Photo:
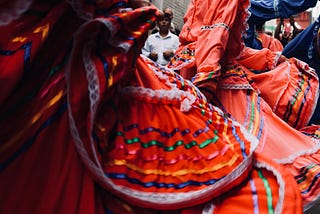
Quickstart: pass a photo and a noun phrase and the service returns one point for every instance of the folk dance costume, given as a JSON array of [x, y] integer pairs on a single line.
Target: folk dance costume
[[88, 125], [261, 89]]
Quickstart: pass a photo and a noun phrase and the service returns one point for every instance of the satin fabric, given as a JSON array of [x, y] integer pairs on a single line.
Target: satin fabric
[[258, 91], [90, 126]]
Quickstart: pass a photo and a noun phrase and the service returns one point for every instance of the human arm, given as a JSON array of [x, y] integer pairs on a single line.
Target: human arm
[[170, 52], [147, 51]]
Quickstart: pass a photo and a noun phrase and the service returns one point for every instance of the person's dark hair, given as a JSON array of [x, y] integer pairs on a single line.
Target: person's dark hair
[[164, 16]]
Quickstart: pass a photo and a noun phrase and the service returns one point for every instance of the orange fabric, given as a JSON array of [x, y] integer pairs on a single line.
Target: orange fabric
[[192, 21], [212, 25], [155, 134], [90, 126], [269, 42], [194, 153], [259, 60], [278, 140], [290, 87], [269, 189], [266, 93]]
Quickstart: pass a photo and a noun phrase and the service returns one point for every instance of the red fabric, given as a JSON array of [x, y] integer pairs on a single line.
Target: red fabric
[[49, 177], [266, 176], [269, 42], [87, 124]]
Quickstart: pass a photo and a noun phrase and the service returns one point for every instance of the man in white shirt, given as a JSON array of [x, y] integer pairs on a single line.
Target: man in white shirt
[[160, 46]]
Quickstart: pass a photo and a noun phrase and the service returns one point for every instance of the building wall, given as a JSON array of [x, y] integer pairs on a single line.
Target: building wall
[[179, 8]]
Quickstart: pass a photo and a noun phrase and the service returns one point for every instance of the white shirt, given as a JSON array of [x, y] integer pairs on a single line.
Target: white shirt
[[159, 44]]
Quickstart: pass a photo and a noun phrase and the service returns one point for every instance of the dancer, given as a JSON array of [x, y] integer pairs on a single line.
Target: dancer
[[261, 39], [82, 118], [306, 48], [238, 79], [90, 126], [262, 11]]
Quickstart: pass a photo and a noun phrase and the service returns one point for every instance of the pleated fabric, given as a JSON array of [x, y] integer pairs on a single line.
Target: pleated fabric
[[85, 115], [266, 93], [90, 126], [268, 189], [289, 86], [268, 41], [157, 142]]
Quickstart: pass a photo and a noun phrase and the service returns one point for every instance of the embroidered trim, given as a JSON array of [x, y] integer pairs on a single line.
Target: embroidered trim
[[186, 98], [209, 27], [156, 199], [279, 206], [236, 86], [291, 158], [112, 29]]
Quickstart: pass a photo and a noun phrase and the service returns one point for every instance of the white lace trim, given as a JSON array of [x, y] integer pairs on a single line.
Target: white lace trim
[[174, 93], [160, 199], [296, 155], [279, 205], [275, 61], [112, 30], [14, 11], [93, 88], [156, 199], [209, 208], [94, 99], [210, 27], [186, 98]]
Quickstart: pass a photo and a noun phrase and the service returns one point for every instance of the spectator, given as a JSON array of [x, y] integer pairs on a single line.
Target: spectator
[[285, 32], [169, 12], [160, 47], [267, 40]]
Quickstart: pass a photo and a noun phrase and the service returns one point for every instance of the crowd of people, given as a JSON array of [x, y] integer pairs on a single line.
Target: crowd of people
[[98, 115]]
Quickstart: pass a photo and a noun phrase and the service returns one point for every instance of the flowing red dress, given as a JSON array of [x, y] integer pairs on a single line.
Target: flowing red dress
[[90, 126], [84, 117], [273, 97]]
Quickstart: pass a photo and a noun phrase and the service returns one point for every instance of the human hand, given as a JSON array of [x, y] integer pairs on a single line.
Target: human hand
[[153, 56], [168, 54]]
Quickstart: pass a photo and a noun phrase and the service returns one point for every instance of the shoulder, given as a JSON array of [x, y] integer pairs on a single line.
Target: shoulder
[[153, 36], [172, 35]]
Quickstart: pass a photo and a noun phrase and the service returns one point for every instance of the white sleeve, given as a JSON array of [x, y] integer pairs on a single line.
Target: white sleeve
[[146, 50]]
